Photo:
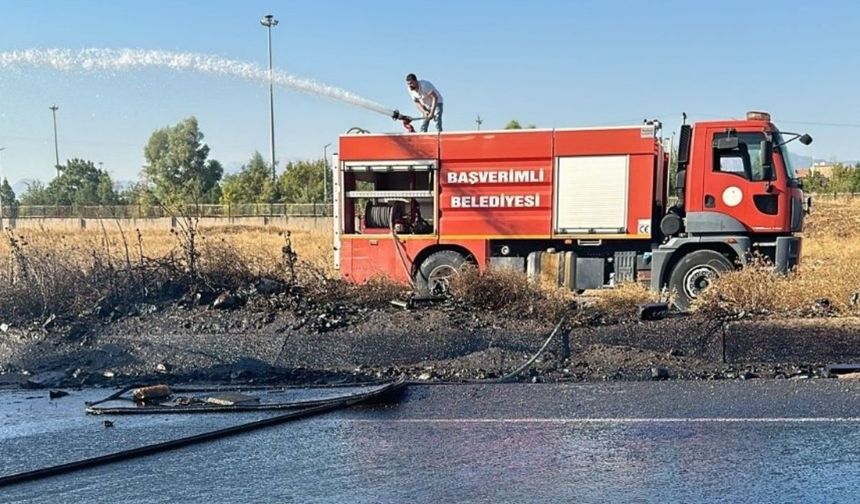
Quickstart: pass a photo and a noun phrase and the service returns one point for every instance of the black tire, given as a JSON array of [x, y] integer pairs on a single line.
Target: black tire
[[694, 273], [436, 271]]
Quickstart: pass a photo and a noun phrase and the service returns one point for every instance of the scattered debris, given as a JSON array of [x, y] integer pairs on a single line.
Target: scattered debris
[[56, 394], [226, 301], [46, 379], [163, 368], [153, 392], [140, 309], [823, 307], [180, 401], [202, 297], [747, 375], [660, 373], [653, 311], [49, 322], [841, 369], [231, 399], [108, 424]]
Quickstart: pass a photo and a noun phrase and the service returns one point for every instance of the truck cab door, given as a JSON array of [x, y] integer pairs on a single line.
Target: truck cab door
[[737, 185]]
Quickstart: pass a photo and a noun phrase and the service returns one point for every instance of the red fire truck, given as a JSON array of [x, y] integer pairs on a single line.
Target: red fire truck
[[416, 207]]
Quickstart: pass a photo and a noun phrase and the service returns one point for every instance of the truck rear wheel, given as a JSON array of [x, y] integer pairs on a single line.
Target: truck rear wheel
[[694, 273], [437, 270]]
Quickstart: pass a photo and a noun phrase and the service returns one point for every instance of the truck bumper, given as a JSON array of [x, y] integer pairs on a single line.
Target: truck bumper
[[787, 254]]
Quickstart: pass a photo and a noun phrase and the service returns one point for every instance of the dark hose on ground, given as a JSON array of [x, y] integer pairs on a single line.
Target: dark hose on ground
[[513, 374], [198, 438]]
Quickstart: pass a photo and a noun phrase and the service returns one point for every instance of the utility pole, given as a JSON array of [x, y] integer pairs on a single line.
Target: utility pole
[[54, 109], [325, 172], [269, 21], [479, 122]]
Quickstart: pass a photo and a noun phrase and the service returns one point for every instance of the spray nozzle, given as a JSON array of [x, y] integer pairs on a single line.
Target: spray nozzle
[[407, 121]]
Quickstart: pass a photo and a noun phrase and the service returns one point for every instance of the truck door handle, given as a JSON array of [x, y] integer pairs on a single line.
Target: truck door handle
[[710, 201]]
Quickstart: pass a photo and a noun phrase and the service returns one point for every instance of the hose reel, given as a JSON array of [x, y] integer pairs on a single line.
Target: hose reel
[[380, 216]]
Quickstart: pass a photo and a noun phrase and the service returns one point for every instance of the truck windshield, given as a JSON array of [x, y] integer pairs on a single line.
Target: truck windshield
[[786, 157]]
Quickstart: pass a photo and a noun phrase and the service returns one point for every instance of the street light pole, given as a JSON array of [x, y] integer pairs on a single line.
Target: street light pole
[[1, 188], [54, 109], [269, 21], [325, 172]]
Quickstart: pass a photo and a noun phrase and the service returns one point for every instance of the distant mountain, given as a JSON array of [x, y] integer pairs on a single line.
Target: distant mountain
[[800, 162]]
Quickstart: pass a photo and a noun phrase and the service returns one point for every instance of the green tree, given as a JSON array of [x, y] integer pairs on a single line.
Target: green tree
[[855, 178], [36, 194], [81, 183], [177, 168], [842, 179], [513, 124], [253, 184], [816, 182], [302, 182], [7, 195]]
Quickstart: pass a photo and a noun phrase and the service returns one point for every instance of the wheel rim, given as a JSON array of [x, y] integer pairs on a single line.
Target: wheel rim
[[698, 279], [439, 278]]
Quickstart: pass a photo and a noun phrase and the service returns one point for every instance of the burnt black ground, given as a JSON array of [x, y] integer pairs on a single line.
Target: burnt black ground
[[263, 342]]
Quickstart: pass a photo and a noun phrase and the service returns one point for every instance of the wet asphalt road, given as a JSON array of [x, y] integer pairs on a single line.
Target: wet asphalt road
[[766, 441]]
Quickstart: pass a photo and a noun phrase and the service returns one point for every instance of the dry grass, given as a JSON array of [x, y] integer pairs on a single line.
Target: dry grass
[[625, 299], [825, 284], [509, 292], [67, 274], [42, 277], [260, 249], [63, 265]]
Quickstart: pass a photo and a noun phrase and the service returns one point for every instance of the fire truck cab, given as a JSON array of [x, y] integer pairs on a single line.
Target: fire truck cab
[[416, 207]]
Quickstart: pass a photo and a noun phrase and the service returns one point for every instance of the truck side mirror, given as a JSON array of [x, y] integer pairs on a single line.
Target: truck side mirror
[[766, 159], [726, 143]]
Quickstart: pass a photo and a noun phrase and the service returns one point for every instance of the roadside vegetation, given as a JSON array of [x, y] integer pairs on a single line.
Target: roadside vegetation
[[98, 272]]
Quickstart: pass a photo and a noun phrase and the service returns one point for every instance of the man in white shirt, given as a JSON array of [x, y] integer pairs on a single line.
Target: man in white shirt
[[427, 100]]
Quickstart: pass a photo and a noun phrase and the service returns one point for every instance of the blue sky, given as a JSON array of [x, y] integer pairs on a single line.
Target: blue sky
[[552, 63]]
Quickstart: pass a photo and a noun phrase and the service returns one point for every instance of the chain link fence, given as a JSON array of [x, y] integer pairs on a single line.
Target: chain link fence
[[237, 210], [152, 212]]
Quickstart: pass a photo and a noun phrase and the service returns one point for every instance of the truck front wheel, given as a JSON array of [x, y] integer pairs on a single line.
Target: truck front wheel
[[435, 273], [694, 273]]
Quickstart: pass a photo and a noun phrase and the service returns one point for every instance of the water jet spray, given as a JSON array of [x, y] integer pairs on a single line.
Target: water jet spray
[[110, 60]]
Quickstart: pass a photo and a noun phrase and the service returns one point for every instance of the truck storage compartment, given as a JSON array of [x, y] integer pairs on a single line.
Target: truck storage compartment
[[379, 196], [591, 194]]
